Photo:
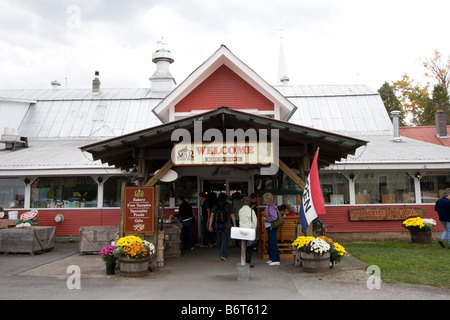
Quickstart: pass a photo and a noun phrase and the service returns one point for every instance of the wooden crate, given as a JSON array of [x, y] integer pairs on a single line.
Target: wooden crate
[[27, 240], [7, 223], [285, 236], [93, 239], [172, 248]]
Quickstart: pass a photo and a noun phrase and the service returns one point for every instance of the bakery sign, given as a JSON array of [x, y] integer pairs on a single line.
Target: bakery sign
[[138, 211], [385, 213], [227, 153]]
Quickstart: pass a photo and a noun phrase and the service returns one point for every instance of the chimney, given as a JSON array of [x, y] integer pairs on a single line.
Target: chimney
[[55, 84], [162, 80], [441, 124], [396, 122], [96, 83]]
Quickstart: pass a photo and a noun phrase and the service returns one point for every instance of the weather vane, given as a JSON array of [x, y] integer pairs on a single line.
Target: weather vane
[[162, 43]]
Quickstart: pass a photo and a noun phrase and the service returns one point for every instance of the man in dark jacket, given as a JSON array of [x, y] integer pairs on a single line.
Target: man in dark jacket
[[186, 215], [442, 207]]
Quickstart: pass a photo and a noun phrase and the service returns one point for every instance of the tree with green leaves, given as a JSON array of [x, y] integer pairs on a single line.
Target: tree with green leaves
[[390, 100], [417, 103]]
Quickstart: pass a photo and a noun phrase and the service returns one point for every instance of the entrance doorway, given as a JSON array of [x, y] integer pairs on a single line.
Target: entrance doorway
[[229, 186]]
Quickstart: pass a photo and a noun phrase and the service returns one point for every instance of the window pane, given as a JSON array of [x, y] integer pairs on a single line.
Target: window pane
[[187, 187], [64, 192], [12, 193], [334, 188], [433, 186], [112, 190], [282, 188], [384, 187]]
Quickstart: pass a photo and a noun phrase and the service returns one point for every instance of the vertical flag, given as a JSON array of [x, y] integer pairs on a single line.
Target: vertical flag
[[312, 201]]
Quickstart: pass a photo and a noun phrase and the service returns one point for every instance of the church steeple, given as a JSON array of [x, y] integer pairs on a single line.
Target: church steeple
[[283, 76]]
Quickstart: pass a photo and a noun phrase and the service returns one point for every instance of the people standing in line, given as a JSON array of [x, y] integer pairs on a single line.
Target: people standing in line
[[247, 218], [207, 236], [254, 206], [271, 209], [186, 215], [254, 203], [223, 215], [237, 204], [442, 207]]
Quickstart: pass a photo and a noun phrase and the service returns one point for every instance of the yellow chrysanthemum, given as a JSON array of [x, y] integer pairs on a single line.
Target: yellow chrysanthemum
[[414, 222], [339, 249], [125, 241], [302, 241]]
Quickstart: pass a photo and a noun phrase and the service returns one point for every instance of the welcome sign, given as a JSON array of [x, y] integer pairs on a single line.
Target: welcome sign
[[228, 153]]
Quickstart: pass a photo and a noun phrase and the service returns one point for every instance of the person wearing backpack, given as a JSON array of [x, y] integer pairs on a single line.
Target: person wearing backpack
[[223, 215]]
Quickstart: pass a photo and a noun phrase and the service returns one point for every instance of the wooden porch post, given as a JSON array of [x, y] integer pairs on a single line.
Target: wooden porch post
[[291, 174], [159, 174]]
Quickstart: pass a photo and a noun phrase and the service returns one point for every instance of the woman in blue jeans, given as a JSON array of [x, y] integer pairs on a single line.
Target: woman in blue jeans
[[442, 207], [274, 255]]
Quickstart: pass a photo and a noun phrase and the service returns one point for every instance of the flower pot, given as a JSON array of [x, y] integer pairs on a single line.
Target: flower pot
[[110, 269], [315, 263], [134, 267], [421, 237]]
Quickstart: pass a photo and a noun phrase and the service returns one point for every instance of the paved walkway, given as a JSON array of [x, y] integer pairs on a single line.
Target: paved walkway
[[197, 275]]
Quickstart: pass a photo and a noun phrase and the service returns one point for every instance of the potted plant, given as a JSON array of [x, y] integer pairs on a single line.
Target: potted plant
[[107, 254], [314, 254], [337, 251], [134, 255], [419, 229], [319, 254]]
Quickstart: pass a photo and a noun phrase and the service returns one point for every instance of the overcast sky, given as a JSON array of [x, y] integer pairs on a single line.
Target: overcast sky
[[325, 41]]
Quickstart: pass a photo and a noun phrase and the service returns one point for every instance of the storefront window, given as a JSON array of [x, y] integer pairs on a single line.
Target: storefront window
[[64, 192], [384, 187], [335, 188], [12, 192], [187, 187], [433, 186], [112, 190], [284, 190]]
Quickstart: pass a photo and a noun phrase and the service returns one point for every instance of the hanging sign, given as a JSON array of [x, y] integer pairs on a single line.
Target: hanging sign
[[232, 153], [139, 210]]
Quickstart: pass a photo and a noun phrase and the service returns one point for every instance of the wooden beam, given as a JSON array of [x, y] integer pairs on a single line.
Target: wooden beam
[[160, 174], [291, 174]]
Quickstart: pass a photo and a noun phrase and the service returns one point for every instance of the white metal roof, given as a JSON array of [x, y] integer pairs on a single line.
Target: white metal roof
[[50, 156], [77, 113], [383, 153], [347, 109], [59, 121]]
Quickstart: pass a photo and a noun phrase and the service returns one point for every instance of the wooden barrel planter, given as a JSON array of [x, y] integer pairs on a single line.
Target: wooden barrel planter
[[134, 267], [421, 237], [315, 263]]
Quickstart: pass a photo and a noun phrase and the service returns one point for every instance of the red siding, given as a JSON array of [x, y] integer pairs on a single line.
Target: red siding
[[224, 88], [74, 219], [337, 218]]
